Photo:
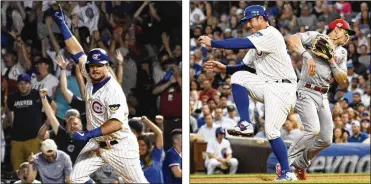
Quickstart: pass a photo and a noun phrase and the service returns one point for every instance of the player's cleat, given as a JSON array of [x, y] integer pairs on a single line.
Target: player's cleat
[[300, 173], [278, 169], [243, 128], [289, 176]]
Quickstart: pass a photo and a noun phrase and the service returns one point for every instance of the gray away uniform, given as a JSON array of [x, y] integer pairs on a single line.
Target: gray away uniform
[[313, 106]]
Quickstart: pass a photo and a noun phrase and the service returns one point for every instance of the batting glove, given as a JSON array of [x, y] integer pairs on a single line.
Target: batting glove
[[86, 135], [58, 16]]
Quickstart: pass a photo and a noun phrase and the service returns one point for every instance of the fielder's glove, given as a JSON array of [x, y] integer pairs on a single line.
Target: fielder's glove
[[323, 48]]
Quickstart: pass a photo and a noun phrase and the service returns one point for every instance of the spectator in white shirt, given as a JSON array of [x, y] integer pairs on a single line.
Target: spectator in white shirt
[[232, 113], [224, 122], [44, 79], [208, 129], [219, 152], [197, 17], [365, 98], [88, 14]]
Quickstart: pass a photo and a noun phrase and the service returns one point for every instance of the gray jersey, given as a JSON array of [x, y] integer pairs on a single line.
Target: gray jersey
[[323, 71]]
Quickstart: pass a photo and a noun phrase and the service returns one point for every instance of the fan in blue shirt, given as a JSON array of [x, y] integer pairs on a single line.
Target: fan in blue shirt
[[151, 155], [172, 167]]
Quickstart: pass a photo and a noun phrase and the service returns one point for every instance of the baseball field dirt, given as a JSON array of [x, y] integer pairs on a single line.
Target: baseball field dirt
[[268, 178]]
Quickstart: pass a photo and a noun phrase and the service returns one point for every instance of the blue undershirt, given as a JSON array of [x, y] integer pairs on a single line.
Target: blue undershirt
[[97, 86], [233, 43]]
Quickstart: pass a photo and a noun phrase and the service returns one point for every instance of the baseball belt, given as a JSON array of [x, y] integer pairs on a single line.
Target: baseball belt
[[320, 89], [107, 144], [283, 81]]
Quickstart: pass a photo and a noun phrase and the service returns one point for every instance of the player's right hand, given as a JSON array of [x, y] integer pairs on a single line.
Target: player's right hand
[[215, 66], [311, 67], [205, 40]]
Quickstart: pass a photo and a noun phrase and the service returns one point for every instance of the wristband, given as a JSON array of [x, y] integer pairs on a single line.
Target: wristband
[[301, 50], [306, 56]]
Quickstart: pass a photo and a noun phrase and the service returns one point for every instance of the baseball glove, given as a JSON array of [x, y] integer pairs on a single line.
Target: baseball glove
[[323, 48]]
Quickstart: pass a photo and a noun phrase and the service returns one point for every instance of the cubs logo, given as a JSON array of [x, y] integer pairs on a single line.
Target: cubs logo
[[71, 148], [114, 107], [89, 13], [95, 56], [224, 152], [339, 24], [97, 107]]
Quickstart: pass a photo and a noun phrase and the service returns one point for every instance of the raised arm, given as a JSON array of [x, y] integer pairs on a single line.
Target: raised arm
[[67, 94], [49, 22], [80, 81], [48, 110], [159, 143], [32, 170], [72, 44], [140, 9], [120, 61]]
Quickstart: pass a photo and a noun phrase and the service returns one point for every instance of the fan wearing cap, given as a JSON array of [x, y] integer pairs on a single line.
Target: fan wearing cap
[[44, 79], [27, 118], [13, 69], [61, 135], [219, 152], [357, 136], [313, 86], [53, 166]]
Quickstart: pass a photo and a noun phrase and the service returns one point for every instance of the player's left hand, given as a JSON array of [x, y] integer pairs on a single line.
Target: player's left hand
[[81, 135], [205, 40], [58, 15]]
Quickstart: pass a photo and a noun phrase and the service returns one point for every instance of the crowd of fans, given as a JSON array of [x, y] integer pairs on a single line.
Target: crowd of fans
[[42, 87], [211, 100]]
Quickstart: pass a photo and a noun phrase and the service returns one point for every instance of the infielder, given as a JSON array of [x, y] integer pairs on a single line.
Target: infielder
[[312, 104], [273, 84], [110, 138]]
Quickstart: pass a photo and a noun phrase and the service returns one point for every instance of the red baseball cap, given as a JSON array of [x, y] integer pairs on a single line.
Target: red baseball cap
[[341, 24]]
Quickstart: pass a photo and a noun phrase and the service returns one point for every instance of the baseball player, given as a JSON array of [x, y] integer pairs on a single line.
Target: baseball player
[[109, 137], [312, 104], [273, 84], [219, 154]]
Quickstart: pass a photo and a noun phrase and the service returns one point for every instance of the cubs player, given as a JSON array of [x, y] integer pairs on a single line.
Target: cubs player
[[109, 137], [273, 84], [312, 104], [219, 154]]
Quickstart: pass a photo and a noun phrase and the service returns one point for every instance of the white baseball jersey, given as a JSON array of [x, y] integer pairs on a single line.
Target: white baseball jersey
[[220, 150], [49, 82], [272, 63], [270, 57], [323, 71], [108, 102]]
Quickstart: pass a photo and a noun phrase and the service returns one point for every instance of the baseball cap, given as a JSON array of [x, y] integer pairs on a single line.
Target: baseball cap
[[356, 123], [220, 131], [341, 23], [350, 65], [48, 145], [23, 77], [228, 30], [71, 112]]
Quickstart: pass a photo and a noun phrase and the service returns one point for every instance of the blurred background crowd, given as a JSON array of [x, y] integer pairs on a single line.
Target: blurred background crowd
[[147, 34], [211, 100]]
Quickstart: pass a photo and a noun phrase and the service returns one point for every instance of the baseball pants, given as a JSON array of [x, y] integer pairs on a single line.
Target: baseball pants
[[278, 98], [314, 111], [123, 157], [212, 164]]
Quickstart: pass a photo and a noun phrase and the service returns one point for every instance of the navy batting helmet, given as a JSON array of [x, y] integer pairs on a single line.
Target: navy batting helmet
[[219, 130], [254, 11], [97, 56]]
